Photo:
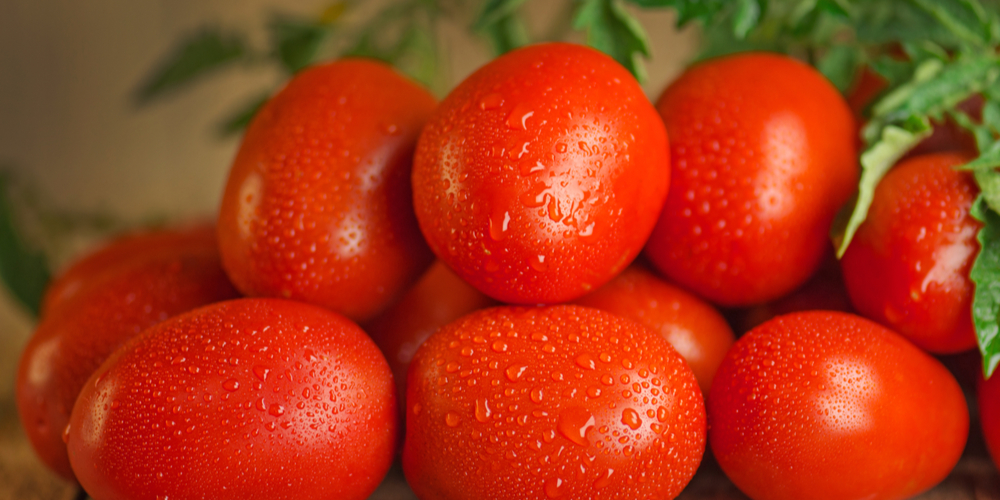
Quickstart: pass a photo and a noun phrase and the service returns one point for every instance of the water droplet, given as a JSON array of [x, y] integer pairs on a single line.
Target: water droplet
[[538, 263], [604, 479], [231, 385], [65, 433], [518, 118], [554, 487], [482, 410], [261, 405], [261, 372], [514, 372], [574, 423], [560, 147], [491, 101], [115, 404], [466, 351], [549, 348], [536, 395], [594, 392], [276, 410], [586, 362], [452, 419], [389, 128], [632, 419], [499, 225], [499, 346], [416, 409], [605, 357], [452, 367]]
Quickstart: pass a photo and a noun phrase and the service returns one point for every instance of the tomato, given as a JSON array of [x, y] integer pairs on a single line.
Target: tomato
[[253, 398], [829, 405], [85, 326], [318, 205], [73, 281], [693, 327], [555, 402], [908, 264], [764, 154], [988, 398], [438, 298], [541, 175]]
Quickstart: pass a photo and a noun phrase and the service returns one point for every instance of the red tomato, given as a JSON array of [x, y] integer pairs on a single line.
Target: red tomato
[[73, 281], [437, 299], [908, 264], [693, 327], [988, 397], [557, 402], [764, 154], [541, 175], [318, 205], [253, 398], [828, 405], [83, 328]]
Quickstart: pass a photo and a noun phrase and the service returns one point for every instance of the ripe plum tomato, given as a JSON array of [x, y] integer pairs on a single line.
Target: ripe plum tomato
[[74, 280], [556, 402], [541, 175], [318, 205], [764, 154], [829, 405], [251, 398], [693, 327], [988, 397], [908, 264], [438, 298], [109, 308]]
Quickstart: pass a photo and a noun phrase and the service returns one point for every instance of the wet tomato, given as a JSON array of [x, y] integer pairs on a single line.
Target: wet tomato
[[829, 405], [99, 304], [318, 205], [908, 264], [693, 327], [557, 402], [764, 154], [541, 175], [252, 398]]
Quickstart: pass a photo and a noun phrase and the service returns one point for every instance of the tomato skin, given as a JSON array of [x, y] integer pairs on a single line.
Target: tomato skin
[[80, 332], [988, 397], [438, 298], [692, 326], [541, 175], [562, 401], [764, 154], [252, 398], [908, 264], [829, 405], [318, 204], [73, 282]]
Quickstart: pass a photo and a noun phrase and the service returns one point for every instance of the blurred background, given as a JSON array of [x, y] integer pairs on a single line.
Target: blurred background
[[83, 159]]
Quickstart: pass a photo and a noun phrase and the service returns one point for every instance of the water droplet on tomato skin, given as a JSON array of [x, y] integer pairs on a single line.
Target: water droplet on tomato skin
[[452, 419], [554, 487], [491, 101], [574, 423]]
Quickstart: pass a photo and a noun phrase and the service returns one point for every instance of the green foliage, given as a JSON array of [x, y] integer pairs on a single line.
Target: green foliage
[[985, 273], [612, 29], [296, 41], [24, 269], [501, 24], [196, 56]]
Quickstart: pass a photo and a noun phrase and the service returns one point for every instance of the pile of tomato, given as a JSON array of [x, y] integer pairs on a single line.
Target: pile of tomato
[[516, 291]]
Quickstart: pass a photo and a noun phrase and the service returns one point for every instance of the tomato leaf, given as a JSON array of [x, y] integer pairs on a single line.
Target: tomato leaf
[[200, 54], [505, 33], [239, 120], [612, 29], [840, 65], [985, 273], [748, 15], [893, 143], [494, 11], [296, 41], [23, 269], [704, 11]]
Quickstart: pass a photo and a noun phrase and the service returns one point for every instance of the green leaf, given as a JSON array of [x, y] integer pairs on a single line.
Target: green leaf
[[985, 274], [194, 57], [875, 163], [954, 21], [612, 30], [748, 14], [238, 121], [704, 11], [23, 269], [988, 179], [840, 65], [296, 41], [506, 34], [494, 11]]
